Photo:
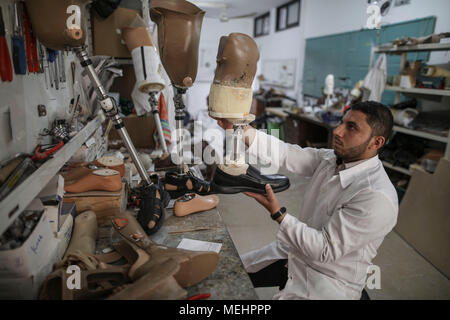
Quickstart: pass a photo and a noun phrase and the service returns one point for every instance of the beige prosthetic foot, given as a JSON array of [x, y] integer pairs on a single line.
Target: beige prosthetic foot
[[194, 265], [192, 203], [112, 163], [58, 24], [78, 170], [99, 180]]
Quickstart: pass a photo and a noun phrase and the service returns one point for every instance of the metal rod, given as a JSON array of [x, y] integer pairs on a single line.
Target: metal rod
[[179, 117], [109, 107], [154, 106]]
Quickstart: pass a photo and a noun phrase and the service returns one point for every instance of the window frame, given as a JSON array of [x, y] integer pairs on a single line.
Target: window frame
[[286, 23], [261, 18]]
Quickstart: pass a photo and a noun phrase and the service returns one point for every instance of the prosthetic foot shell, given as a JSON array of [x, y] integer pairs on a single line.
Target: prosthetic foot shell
[[51, 22], [179, 25], [192, 203], [99, 180], [146, 62], [194, 265], [231, 92]]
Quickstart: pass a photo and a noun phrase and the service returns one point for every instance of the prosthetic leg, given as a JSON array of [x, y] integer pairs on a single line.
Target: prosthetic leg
[[179, 24], [58, 29], [231, 98], [147, 68]]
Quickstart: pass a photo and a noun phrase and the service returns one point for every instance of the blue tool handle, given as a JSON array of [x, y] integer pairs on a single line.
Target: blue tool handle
[[19, 56], [51, 55]]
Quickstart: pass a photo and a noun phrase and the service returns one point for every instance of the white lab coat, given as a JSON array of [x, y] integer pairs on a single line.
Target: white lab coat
[[345, 218]]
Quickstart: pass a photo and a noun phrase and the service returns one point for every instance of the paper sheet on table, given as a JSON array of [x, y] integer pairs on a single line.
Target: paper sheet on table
[[197, 245]]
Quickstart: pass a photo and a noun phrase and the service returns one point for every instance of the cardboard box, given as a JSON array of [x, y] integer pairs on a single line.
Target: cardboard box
[[37, 252], [140, 130], [26, 288], [105, 204], [424, 215], [23, 270], [107, 39]]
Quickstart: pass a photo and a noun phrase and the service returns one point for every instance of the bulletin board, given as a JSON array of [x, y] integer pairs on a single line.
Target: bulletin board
[[280, 73]]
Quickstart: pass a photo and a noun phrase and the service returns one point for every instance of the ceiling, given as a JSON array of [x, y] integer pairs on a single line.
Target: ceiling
[[233, 8]]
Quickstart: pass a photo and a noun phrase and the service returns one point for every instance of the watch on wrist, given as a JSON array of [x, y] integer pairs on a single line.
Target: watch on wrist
[[278, 214]]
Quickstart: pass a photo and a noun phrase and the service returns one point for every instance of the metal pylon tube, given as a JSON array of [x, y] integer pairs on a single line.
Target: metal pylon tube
[[154, 105], [111, 111]]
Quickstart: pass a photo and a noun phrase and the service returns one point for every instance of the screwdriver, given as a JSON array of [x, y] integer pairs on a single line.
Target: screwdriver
[[5, 58], [19, 58], [52, 54]]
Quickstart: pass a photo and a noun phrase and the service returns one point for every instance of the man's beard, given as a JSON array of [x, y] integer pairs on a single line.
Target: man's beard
[[353, 153]]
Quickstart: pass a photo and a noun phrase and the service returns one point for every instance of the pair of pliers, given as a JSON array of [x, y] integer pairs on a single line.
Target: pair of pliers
[[5, 59], [38, 155]]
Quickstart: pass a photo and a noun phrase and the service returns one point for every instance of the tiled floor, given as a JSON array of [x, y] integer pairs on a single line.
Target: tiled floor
[[405, 274]]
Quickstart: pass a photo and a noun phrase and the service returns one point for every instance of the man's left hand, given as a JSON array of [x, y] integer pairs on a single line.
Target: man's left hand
[[269, 201]]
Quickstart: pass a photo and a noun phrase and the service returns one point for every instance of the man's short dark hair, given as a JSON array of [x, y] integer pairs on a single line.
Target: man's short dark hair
[[378, 116]]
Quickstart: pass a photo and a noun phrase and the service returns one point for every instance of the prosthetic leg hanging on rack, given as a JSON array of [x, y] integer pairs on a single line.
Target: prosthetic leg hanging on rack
[[58, 30]]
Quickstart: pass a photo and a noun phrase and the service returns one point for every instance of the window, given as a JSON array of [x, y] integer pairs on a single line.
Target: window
[[288, 15], [262, 25]]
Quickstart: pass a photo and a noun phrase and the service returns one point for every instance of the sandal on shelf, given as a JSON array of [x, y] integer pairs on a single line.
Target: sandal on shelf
[[179, 184]]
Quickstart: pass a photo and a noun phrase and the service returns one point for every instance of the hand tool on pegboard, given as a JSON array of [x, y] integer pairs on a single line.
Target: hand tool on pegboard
[[30, 39], [18, 43], [5, 59], [53, 69]]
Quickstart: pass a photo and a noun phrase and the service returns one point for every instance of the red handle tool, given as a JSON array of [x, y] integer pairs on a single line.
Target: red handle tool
[[5, 59], [38, 155], [32, 56]]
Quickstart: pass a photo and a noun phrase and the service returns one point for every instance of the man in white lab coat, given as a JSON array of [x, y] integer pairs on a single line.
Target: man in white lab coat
[[349, 207]]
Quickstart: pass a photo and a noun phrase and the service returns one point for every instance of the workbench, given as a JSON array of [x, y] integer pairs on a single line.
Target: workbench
[[303, 129], [229, 281]]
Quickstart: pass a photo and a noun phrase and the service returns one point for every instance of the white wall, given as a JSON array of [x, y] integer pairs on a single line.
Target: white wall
[[324, 17], [19, 100]]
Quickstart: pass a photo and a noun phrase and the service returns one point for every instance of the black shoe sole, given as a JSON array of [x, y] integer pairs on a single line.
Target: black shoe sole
[[215, 188]]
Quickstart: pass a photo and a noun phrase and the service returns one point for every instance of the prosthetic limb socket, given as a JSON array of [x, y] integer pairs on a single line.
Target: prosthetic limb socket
[[147, 68]]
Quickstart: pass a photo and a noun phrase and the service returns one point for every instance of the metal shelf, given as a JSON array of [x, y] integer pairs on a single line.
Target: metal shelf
[[421, 134], [416, 48], [399, 169], [21, 197], [436, 92]]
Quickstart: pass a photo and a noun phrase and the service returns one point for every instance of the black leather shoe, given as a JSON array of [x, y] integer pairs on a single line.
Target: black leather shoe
[[252, 181], [179, 184]]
